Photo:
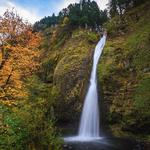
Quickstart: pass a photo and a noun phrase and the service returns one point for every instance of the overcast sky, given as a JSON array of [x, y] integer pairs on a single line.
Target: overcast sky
[[34, 10]]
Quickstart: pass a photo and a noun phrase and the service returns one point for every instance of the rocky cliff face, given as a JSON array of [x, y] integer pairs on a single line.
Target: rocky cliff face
[[124, 74], [68, 62]]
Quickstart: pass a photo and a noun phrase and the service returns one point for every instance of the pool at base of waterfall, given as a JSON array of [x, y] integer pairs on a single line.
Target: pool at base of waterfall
[[81, 139], [76, 143]]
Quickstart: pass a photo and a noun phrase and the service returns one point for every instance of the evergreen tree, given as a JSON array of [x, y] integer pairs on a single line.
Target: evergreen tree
[[118, 7], [90, 15]]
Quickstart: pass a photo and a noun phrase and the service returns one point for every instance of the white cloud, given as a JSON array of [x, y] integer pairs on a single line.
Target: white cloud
[[32, 14], [102, 3], [26, 14]]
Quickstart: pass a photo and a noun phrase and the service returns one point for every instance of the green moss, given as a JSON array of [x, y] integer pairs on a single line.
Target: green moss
[[139, 44], [47, 67], [106, 63], [123, 73], [71, 72], [141, 97], [92, 37]]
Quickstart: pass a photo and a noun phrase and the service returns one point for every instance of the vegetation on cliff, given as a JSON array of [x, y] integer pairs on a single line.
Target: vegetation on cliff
[[124, 74], [66, 66]]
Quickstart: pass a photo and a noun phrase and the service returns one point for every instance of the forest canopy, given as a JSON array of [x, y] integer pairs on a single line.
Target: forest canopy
[[119, 7], [87, 15]]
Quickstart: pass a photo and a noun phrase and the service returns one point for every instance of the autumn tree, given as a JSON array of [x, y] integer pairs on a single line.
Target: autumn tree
[[19, 54]]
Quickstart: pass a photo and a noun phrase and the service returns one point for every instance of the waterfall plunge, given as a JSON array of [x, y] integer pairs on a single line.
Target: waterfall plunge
[[89, 124]]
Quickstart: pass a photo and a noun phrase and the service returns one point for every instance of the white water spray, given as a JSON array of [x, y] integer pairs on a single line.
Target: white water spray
[[89, 124]]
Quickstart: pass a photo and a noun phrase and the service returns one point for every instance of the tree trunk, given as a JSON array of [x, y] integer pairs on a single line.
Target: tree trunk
[[3, 57], [7, 81]]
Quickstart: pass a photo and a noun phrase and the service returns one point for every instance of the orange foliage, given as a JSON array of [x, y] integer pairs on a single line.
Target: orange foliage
[[18, 55]]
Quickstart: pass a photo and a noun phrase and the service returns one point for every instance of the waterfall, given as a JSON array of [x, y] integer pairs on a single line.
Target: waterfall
[[89, 124]]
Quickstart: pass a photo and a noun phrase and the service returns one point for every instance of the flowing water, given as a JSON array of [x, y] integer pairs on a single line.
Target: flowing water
[[89, 124], [105, 144], [89, 136]]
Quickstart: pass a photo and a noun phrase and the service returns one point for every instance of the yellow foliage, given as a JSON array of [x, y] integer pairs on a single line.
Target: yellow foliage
[[18, 55]]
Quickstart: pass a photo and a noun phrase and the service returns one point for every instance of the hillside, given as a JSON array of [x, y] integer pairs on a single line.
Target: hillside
[[66, 64], [124, 74]]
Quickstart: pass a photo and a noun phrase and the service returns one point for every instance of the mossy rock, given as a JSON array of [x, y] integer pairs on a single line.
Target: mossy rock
[[71, 74]]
